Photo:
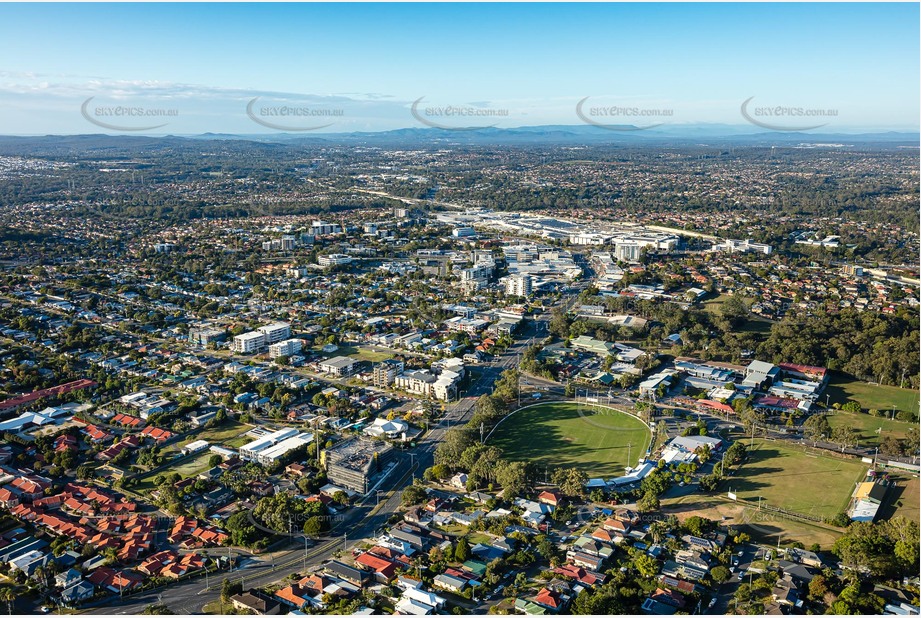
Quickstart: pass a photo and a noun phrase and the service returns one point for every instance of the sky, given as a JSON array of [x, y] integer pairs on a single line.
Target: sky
[[268, 68]]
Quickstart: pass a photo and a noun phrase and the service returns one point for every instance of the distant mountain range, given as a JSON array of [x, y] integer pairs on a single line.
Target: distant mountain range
[[677, 135]]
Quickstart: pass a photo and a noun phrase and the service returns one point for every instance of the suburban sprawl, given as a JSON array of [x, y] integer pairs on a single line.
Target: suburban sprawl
[[430, 377]]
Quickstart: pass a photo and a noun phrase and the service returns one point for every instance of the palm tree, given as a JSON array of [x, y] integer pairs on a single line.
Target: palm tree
[[6, 594]]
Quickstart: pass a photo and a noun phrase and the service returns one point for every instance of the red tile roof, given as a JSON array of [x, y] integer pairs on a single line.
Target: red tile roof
[[379, 565]]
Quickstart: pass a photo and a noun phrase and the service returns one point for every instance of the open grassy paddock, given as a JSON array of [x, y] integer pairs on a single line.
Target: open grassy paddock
[[903, 499], [356, 352], [793, 479], [561, 434], [870, 396], [191, 465], [220, 435], [760, 525], [866, 426]]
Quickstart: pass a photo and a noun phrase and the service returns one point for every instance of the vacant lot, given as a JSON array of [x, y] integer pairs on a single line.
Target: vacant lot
[[789, 478], [870, 396], [595, 439]]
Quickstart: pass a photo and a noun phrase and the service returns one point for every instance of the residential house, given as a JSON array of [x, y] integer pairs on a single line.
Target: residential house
[[255, 602]]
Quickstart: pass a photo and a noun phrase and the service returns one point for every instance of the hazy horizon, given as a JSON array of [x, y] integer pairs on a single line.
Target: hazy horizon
[[254, 69]]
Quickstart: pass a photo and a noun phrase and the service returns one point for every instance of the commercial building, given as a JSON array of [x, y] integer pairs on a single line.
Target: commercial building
[[463, 232], [204, 336], [741, 246], [273, 453], [587, 238], [251, 451], [334, 259], [354, 463], [249, 343], [590, 344], [339, 366], [382, 428]]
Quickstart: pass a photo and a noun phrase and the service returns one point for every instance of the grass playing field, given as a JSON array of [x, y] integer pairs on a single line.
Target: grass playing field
[[789, 478], [592, 438], [869, 396]]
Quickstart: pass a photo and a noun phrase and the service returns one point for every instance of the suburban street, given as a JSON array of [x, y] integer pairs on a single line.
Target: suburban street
[[360, 522]]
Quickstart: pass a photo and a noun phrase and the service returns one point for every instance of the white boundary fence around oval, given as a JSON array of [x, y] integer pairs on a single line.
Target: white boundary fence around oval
[[652, 430]]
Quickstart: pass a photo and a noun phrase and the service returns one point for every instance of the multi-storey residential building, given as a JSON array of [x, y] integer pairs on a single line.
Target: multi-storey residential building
[[418, 381], [339, 366], [288, 347], [519, 285], [318, 228], [386, 372], [275, 332], [249, 343], [354, 463]]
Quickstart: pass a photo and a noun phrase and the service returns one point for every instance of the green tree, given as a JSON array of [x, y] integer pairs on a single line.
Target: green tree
[[649, 502], [414, 494], [646, 565], [313, 526], [462, 550], [719, 574]]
